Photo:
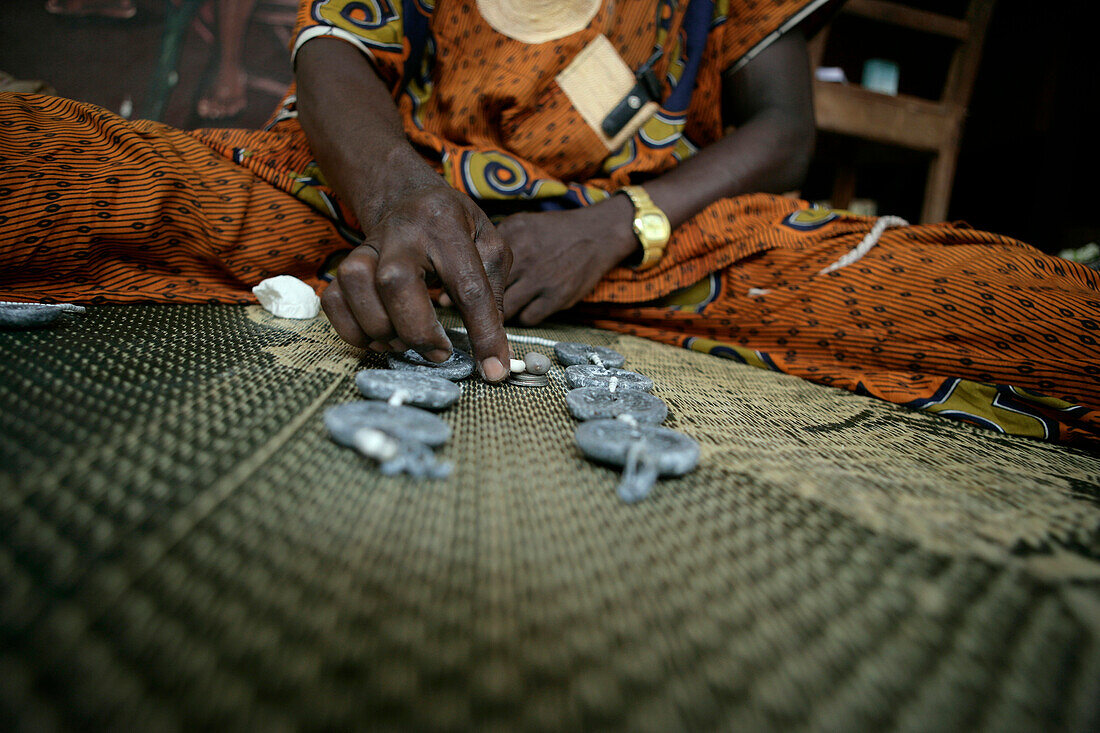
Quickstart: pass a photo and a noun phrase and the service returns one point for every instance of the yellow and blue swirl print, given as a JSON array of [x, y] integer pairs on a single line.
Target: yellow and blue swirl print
[[376, 22]]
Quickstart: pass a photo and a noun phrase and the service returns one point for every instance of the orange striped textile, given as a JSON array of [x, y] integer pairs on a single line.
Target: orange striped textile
[[93, 208], [943, 318]]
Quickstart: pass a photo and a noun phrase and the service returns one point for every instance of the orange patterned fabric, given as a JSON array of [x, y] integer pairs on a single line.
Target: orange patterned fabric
[[93, 208], [942, 318], [486, 111]]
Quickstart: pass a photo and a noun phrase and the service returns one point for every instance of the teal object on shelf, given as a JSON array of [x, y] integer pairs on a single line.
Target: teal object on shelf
[[880, 75]]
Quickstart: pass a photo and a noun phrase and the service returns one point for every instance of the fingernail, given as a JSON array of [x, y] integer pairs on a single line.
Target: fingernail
[[493, 370], [378, 346], [398, 345], [438, 355]]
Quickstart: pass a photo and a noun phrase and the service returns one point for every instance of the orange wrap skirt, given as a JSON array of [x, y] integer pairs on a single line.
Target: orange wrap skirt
[[943, 318]]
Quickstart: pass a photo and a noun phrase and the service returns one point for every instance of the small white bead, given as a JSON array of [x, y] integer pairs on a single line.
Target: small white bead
[[375, 444], [517, 366]]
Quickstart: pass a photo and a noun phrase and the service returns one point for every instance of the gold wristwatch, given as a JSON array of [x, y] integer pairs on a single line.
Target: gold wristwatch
[[650, 226]]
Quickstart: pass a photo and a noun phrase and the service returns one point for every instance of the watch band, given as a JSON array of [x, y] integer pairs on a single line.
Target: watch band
[[651, 226]]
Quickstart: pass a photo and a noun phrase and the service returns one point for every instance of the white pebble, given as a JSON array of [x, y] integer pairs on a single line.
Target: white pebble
[[375, 444], [517, 366], [536, 363], [285, 296]]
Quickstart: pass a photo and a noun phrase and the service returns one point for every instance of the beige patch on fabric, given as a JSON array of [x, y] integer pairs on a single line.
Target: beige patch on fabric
[[538, 21], [595, 82]]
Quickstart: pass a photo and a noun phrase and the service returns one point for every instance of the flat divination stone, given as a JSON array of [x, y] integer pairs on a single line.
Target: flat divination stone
[[459, 366], [643, 451], [420, 389], [403, 423], [590, 375], [610, 441], [596, 403], [570, 353]]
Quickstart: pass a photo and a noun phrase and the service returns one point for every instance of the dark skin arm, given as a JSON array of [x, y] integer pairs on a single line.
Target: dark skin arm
[[416, 227], [560, 256]]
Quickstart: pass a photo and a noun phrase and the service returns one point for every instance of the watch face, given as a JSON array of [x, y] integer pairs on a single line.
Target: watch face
[[652, 226]]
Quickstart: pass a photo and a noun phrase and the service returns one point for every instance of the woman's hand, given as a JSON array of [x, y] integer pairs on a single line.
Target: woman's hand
[[380, 298], [416, 227], [559, 256]]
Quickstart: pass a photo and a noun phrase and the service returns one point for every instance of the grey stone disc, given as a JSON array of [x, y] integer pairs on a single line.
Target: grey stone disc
[[570, 353], [590, 375], [403, 423], [609, 441], [457, 368], [422, 390], [29, 315], [596, 403]]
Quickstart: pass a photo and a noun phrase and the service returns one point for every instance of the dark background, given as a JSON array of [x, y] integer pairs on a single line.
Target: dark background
[[1029, 158]]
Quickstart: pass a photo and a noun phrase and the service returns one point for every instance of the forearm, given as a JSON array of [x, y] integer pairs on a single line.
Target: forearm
[[416, 228], [770, 103], [561, 256], [769, 154], [355, 130]]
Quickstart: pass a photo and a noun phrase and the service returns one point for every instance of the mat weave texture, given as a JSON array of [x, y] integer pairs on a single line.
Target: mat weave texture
[[182, 546]]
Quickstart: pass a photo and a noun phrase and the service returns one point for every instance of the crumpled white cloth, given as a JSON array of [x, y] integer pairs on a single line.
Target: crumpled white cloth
[[285, 296]]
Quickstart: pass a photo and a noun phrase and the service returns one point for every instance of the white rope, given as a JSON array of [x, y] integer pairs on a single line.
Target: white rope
[[883, 223], [534, 340], [69, 307]]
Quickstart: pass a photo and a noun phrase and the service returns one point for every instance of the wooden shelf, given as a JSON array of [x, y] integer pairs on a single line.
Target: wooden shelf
[[895, 120], [908, 17], [921, 124]]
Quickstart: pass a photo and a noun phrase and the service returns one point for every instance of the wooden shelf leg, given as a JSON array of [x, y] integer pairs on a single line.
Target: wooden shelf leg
[[844, 185], [937, 190]]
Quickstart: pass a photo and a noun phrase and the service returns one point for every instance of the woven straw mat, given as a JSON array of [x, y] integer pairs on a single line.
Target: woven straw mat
[[183, 547]]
